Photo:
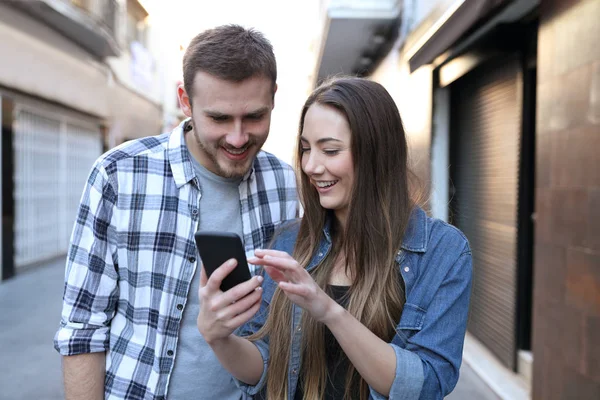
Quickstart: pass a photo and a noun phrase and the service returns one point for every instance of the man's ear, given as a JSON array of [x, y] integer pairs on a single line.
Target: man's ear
[[184, 101], [274, 91]]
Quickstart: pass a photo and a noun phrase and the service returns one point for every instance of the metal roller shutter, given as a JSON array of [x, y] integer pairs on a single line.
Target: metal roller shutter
[[53, 154], [485, 146]]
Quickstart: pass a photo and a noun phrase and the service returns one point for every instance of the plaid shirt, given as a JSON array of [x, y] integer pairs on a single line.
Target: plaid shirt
[[133, 255]]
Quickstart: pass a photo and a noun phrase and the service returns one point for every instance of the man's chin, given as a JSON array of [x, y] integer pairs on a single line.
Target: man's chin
[[237, 169], [234, 170]]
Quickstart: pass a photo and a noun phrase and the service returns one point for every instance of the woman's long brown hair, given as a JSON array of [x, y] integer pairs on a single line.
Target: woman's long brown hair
[[378, 216]]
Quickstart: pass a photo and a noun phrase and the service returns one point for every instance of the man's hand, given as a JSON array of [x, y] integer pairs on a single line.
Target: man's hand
[[221, 313]]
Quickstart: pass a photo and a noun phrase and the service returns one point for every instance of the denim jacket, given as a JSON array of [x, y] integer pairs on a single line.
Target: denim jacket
[[435, 263]]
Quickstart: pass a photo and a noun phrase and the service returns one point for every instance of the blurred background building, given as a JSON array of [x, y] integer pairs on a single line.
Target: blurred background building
[[501, 103], [77, 77]]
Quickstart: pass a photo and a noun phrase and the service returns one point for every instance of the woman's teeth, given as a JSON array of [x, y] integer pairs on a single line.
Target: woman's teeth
[[325, 184]]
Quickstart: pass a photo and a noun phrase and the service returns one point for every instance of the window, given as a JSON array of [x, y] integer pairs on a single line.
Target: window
[[136, 23]]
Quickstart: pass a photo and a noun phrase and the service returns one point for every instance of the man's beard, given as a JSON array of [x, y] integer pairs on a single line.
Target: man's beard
[[232, 169]]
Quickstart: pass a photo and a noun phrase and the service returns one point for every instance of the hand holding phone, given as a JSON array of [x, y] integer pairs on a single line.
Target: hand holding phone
[[217, 247], [222, 313]]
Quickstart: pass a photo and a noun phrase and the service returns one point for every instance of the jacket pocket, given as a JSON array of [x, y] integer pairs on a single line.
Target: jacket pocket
[[412, 317], [411, 322]]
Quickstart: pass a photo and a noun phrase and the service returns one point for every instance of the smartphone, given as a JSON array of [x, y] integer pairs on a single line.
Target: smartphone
[[217, 247]]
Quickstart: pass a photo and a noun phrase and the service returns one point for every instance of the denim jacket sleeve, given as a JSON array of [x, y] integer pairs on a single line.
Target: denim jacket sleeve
[[284, 240], [428, 362], [250, 328]]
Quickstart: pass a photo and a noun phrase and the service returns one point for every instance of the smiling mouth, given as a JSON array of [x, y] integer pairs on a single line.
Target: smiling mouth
[[237, 152], [325, 184]]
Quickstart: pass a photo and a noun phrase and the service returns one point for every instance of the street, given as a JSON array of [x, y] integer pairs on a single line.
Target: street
[[30, 367]]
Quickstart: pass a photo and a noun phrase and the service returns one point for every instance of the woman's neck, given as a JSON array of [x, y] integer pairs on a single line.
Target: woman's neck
[[338, 275], [341, 216]]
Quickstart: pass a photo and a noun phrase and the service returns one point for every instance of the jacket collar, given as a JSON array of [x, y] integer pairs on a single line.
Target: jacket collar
[[416, 235]]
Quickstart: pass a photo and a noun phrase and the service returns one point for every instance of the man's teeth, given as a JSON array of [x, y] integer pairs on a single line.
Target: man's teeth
[[326, 184], [237, 152]]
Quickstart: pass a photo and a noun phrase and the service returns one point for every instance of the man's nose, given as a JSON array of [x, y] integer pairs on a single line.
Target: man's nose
[[237, 137]]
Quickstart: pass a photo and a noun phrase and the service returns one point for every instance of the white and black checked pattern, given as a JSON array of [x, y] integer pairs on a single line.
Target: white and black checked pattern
[[133, 254]]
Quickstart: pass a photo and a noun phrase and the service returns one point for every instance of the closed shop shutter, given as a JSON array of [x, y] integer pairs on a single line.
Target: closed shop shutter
[[485, 146], [53, 154]]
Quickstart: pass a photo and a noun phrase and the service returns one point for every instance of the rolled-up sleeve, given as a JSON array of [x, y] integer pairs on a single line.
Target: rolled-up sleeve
[[91, 290], [409, 377], [253, 326], [251, 390]]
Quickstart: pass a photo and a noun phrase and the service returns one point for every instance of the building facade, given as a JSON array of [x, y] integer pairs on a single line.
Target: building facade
[[77, 77], [500, 104]]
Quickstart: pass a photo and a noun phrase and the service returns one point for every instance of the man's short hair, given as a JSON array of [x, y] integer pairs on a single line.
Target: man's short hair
[[229, 52]]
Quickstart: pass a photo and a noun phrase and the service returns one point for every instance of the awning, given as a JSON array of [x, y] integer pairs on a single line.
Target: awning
[[356, 35], [451, 26]]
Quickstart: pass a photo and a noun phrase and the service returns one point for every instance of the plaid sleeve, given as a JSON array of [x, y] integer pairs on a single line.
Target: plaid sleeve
[[91, 291], [293, 205]]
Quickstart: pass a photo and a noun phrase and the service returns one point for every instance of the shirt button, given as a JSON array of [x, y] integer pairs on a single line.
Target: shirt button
[[320, 254], [170, 353], [406, 269], [194, 211], [180, 307], [294, 372], [192, 259]]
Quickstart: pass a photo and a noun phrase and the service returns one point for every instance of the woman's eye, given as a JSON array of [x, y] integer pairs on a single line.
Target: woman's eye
[[331, 152], [304, 149]]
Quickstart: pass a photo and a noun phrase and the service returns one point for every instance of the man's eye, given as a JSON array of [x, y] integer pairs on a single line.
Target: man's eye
[[219, 118], [255, 117]]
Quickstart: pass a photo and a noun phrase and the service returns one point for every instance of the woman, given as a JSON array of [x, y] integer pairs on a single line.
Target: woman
[[373, 300]]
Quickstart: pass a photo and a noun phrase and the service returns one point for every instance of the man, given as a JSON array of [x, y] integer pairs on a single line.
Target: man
[[128, 327]]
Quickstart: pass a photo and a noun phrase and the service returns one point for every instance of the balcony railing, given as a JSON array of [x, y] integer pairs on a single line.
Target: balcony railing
[[104, 12], [90, 23]]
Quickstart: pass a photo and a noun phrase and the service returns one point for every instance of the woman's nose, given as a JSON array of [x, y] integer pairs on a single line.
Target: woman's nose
[[313, 166]]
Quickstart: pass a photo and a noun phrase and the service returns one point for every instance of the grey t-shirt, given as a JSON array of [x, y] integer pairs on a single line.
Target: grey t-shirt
[[197, 373]]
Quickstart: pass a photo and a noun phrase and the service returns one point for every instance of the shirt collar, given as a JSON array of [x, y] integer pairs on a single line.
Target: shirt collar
[[415, 237], [178, 156]]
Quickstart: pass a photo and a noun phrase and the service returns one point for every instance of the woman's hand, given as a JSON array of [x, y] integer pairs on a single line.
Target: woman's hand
[[296, 283], [221, 313]]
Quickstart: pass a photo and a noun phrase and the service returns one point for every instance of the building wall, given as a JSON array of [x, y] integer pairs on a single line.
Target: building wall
[[139, 70], [566, 328], [413, 96], [35, 57], [413, 92]]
